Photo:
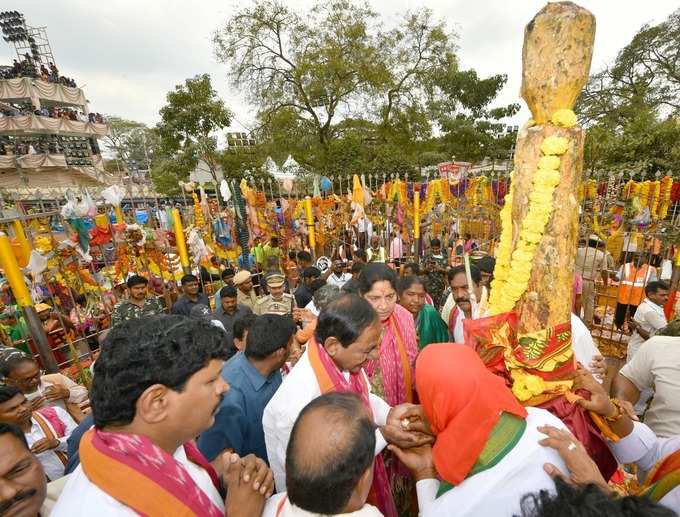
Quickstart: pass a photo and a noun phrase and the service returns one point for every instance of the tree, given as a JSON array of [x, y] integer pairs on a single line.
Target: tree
[[335, 75], [128, 141], [310, 72], [630, 108], [308, 65], [188, 128]]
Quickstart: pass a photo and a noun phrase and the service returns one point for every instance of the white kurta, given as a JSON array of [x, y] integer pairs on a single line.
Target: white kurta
[[288, 510], [339, 281], [299, 388], [82, 498], [582, 342], [643, 448], [54, 468], [498, 491]]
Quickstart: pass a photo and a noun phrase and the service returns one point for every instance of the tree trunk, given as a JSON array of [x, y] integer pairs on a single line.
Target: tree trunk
[[558, 46], [548, 298]]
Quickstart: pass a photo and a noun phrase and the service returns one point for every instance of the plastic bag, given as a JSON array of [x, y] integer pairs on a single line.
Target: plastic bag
[[113, 195]]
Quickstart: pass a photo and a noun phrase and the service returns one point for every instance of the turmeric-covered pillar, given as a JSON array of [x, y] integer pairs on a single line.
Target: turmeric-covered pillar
[[538, 242]]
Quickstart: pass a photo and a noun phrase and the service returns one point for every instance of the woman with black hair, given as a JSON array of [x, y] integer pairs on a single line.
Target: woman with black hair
[[392, 375], [430, 327]]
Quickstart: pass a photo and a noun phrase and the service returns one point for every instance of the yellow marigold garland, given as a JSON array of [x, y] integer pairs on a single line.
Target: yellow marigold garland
[[666, 186], [198, 213], [504, 252], [513, 268]]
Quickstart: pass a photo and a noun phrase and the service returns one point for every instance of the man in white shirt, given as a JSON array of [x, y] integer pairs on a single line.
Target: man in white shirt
[[649, 317], [339, 276], [329, 461], [157, 385], [20, 370], [46, 430], [348, 331], [458, 305], [655, 366]]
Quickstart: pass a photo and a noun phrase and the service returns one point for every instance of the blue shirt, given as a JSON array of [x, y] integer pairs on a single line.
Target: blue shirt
[[238, 422]]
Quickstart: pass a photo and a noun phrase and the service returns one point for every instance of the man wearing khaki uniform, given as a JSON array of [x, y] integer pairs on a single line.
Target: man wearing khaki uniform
[[276, 302], [245, 292]]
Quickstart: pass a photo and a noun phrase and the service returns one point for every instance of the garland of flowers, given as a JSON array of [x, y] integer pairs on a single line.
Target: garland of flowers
[[436, 189], [597, 229], [504, 252], [590, 189], [666, 187], [516, 272], [655, 195], [198, 213]]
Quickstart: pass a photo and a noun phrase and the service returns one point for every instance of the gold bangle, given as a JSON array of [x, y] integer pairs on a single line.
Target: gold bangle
[[619, 411]]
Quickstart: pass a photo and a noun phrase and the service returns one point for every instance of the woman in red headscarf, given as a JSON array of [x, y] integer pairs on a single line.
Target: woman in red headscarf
[[487, 449]]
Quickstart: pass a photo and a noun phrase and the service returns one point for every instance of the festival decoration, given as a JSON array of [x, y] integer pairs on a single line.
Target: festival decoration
[[114, 195], [416, 213], [437, 189], [13, 273], [179, 239], [310, 222], [514, 278], [198, 213], [326, 184]]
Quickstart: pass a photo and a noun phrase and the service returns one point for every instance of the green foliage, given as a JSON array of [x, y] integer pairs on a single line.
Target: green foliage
[[342, 93], [631, 108], [188, 130], [130, 140]]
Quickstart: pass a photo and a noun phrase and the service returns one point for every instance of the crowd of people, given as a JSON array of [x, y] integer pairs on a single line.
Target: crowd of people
[[52, 112], [293, 391], [28, 67]]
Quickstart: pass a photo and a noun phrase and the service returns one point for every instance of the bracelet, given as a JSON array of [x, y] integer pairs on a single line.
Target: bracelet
[[619, 411]]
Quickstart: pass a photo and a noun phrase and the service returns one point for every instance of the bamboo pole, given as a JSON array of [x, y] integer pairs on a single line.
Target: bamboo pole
[[23, 240], [310, 225]]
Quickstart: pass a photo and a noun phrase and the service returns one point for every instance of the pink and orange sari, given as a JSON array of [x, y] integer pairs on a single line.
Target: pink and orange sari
[[393, 377], [139, 474], [392, 374]]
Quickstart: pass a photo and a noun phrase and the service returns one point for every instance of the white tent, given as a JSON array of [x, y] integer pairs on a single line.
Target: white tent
[[201, 174]]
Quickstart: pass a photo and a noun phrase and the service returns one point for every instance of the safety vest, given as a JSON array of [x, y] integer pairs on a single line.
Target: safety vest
[[632, 284]]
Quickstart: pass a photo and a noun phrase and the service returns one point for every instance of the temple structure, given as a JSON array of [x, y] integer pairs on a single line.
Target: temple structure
[[48, 134]]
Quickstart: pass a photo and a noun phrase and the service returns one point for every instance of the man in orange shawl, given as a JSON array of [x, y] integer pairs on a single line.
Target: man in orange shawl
[[157, 385], [347, 335]]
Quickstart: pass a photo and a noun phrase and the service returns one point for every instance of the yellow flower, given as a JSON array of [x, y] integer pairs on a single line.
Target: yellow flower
[[564, 118], [555, 145], [549, 162], [547, 176], [534, 384]]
